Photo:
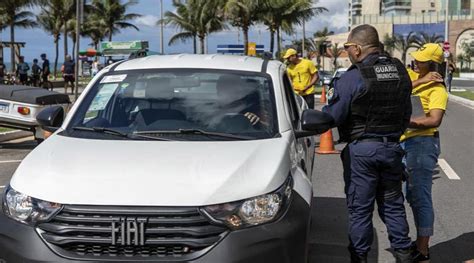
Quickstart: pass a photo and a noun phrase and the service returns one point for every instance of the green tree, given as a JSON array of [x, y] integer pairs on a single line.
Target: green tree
[[112, 15], [422, 38], [65, 10], [403, 43], [51, 23], [389, 43], [184, 19], [14, 14], [209, 18], [243, 14], [321, 37], [94, 29], [283, 15], [335, 52]]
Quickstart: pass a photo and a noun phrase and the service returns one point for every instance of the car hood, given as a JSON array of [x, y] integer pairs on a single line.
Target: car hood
[[158, 173]]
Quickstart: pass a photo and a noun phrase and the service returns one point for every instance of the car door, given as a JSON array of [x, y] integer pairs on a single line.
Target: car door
[[304, 147]]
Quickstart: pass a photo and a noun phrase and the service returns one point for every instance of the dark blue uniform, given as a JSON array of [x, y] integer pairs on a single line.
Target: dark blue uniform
[[372, 170]]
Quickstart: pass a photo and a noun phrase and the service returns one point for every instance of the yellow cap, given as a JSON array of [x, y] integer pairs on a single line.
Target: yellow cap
[[429, 52], [290, 52]]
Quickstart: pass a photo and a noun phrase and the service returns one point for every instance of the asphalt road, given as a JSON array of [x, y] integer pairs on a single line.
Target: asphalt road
[[463, 84], [453, 199]]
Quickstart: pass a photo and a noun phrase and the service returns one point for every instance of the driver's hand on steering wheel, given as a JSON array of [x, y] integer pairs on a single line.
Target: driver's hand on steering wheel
[[253, 118]]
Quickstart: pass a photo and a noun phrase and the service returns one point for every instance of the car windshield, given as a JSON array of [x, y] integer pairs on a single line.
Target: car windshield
[[177, 105]]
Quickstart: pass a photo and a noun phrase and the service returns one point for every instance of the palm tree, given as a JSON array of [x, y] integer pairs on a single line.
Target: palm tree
[[51, 23], [389, 43], [284, 14], [403, 43], [14, 15], [422, 38], [112, 14], [243, 14], [309, 44], [335, 51], [184, 19], [208, 19], [321, 37]]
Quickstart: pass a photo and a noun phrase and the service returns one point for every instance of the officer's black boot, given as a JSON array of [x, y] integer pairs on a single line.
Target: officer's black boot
[[356, 258], [403, 255]]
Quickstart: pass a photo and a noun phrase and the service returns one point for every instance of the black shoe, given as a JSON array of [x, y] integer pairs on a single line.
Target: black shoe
[[356, 258], [404, 255], [418, 257]]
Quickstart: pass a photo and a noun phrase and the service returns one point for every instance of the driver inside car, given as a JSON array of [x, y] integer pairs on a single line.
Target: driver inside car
[[236, 96]]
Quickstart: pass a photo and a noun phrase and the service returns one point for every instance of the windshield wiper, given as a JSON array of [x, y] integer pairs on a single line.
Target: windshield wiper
[[197, 132], [101, 130], [117, 133]]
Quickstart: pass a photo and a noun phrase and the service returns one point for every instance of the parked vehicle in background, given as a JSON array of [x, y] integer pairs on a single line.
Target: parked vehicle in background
[[324, 77], [19, 106], [186, 158]]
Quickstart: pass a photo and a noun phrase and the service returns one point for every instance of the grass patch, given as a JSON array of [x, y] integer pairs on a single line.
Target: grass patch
[[3, 129], [465, 94]]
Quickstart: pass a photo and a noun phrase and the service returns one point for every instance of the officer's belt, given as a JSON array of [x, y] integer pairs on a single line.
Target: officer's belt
[[378, 139]]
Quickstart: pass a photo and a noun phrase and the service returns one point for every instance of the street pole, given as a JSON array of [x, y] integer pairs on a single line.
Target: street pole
[[446, 39], [162, 47], [78, 35], [302, 43]]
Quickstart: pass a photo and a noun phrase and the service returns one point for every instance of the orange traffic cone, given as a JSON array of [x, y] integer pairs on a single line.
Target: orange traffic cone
[[326, 144], [323, 95]]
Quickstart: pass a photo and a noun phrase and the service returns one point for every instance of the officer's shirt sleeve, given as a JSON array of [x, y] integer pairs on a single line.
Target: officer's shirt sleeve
[[341, 94]]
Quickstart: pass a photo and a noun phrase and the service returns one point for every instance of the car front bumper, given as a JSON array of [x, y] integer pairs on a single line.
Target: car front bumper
[[281, 241]]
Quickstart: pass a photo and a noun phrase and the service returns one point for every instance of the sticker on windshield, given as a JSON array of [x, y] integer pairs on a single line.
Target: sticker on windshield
[[113, 78]]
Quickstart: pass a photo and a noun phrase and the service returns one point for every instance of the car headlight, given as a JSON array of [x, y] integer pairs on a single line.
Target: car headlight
[[26, 209], [253, 211]]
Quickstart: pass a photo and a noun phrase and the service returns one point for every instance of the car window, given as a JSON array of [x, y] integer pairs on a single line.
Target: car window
[[222, 101], [291, 100]]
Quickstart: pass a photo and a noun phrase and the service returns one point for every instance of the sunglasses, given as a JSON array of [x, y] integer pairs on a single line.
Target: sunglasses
[[350, 44]]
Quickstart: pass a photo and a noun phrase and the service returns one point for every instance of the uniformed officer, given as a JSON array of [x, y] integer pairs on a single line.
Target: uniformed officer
[[371, 107]]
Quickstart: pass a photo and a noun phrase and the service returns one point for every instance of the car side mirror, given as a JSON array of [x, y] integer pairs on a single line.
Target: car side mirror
[[51, 118], [314, 122]]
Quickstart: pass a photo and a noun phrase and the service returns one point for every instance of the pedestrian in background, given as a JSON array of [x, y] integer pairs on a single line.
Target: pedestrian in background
[[371, 107], [95, 67], [68, 70], [421, 143], [303, 75], [45, 70], [36, 73], [451, 70], [2, 72], [22, 70]]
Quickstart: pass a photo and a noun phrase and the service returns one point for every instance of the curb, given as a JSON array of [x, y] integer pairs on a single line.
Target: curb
[[13, 135], [463, 101]]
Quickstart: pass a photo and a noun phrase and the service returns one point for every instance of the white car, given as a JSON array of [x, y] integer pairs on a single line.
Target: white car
[[19, 106], [184, 158]]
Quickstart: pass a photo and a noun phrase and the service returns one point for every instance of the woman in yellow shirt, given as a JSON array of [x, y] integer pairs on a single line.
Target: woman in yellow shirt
[[421, 143]]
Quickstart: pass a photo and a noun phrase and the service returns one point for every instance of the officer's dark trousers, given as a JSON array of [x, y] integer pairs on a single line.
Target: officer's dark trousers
[[373, 171]]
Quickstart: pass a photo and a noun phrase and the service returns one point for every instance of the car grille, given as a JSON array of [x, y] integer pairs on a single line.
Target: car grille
[[82, 232]]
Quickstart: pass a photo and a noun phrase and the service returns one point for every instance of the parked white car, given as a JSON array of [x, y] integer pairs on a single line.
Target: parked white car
[[184, 158], [19, 106]]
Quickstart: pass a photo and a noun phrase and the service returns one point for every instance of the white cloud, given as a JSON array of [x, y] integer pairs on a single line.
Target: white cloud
[[146, 20]]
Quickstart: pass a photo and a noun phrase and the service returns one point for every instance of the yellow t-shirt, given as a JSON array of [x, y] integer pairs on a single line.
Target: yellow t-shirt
[[433, 96], [300, 76]]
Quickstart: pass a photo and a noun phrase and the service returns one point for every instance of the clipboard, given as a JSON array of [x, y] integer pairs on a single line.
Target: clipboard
[[416, 107]]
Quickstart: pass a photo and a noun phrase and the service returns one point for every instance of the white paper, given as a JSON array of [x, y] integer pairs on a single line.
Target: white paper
[[113, 78]]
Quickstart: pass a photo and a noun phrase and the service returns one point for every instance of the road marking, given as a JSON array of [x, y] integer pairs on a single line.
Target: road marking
[[450, 173], [2, 186], [10, 161]]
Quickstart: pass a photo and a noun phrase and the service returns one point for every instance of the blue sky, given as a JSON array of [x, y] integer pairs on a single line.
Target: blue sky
[[37, 41]]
